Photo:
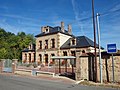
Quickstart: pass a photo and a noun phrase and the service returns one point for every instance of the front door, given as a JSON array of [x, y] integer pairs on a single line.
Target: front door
[[46, 59]]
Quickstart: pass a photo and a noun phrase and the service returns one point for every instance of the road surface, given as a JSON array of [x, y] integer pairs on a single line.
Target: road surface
[[27, 83]]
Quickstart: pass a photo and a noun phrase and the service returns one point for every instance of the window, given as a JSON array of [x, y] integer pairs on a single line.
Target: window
[[40, 56], [72, 53], [40, 44], [46, 44], [53, 60], [53, 43], [73, 42], [46, 30], [30, 47], [64, 53], [29, 57], [83, 51], [46, 59]]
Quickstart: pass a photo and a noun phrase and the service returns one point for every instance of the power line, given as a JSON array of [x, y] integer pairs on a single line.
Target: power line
[[101, 14]]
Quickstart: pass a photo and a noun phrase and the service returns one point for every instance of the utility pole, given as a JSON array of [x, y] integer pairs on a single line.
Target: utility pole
[[95, 67], [99, 43]]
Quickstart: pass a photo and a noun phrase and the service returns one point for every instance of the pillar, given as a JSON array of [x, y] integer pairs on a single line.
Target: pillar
[[78, 69], [14, 65], [1, 65]]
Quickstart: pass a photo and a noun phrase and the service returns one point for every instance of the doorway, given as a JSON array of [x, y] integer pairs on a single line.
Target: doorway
[[46, 59]]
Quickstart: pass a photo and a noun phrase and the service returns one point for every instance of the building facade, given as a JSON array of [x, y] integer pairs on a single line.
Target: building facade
[[29, 54], [56, 41]]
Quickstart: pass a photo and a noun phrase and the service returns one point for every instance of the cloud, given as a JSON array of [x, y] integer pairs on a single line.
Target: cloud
[[28, 24], [18, 17], [77, 15], [115, 7], [8, 27]]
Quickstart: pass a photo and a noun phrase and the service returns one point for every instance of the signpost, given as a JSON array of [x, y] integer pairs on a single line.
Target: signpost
[[111, 48]]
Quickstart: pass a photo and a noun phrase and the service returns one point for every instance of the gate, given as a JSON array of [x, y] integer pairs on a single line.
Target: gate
[[7, 65]]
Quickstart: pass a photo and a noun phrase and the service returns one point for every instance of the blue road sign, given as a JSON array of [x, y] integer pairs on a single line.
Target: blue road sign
[[111, 48]]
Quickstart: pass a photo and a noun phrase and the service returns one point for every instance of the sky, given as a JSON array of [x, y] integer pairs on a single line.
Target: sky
[[30, 15]]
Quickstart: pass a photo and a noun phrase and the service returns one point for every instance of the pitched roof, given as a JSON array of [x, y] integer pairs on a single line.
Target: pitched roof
[[30, 50], [81, 41], [53, 30], [27, 50]]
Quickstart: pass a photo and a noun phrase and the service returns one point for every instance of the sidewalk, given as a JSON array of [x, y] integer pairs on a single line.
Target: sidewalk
[[44, 77]]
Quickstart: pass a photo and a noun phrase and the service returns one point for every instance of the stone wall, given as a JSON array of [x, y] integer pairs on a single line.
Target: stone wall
[[107, 72]]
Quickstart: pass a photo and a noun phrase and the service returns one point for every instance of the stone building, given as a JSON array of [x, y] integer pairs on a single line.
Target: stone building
[[56, 41], [29, 54]]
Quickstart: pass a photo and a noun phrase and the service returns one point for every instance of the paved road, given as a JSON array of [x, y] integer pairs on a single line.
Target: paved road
[[24, 83]]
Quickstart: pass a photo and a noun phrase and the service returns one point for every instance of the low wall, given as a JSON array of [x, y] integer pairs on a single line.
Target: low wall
[[29, 72], [107, 72], [23, 72]]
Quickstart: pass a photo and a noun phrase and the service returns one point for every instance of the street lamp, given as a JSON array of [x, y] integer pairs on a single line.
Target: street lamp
[[99, 44]]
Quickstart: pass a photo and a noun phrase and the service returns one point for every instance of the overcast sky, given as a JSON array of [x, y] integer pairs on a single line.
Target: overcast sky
[[29, 15]]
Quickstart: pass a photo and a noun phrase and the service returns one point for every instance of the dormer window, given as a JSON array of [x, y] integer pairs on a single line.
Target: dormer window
[[73, 41], [46, 30]]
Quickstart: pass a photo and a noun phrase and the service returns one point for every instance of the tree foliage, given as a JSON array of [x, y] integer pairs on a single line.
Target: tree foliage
[[11, 45]]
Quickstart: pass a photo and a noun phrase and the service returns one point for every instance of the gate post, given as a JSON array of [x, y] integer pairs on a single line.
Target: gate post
[[1, 65], [78, 69], [14, 65]]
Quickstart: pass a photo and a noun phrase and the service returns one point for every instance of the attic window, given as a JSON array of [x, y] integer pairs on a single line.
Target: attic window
[[46, 30], [73, 42], [83, 51]]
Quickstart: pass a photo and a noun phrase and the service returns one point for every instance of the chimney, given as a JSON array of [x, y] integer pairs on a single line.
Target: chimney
[[62, 26], [42, 29], [69, 29]]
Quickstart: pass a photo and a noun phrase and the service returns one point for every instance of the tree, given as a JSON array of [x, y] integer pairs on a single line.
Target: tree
[[11, 45]]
